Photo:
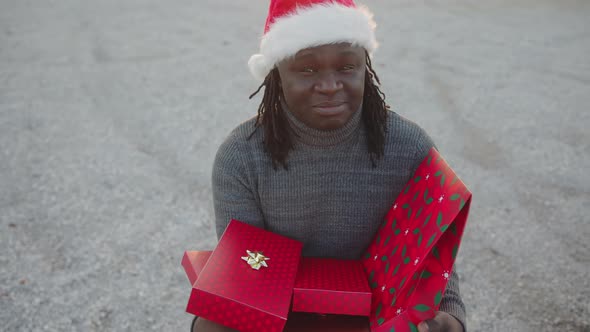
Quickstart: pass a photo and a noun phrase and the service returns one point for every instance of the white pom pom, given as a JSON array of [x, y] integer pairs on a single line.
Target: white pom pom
[[258, 66]]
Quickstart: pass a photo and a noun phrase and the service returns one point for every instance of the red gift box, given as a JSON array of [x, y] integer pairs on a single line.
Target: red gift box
[[331, 286], [323, 285], [230, 292], [411, 257], [193, 263]]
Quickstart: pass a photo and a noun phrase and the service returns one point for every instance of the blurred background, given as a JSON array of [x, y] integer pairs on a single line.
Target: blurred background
[[111, 113]]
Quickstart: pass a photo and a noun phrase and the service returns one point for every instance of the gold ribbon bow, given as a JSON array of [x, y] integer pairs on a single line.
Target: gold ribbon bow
[[255, 259]]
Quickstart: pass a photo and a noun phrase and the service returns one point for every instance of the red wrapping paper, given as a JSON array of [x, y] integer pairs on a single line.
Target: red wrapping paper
[[410, 260], [331, 286], [229, 292]]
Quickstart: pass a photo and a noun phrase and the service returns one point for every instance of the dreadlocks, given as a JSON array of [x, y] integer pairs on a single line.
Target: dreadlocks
[[278, 140]]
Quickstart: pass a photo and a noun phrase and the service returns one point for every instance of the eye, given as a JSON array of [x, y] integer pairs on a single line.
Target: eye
[[308, 70], [348, 68]]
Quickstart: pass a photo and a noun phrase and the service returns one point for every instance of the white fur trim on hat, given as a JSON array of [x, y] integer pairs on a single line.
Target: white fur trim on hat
[[313, 26]]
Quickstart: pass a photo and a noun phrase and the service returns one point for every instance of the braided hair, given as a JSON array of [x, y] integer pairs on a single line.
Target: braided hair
[[278, 137]]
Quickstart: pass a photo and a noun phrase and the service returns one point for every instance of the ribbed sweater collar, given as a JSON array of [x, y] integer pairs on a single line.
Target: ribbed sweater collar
[[315, 137]]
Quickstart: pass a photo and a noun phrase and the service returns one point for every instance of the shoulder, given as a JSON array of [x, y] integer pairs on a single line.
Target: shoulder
[[242, 142], [242, 138], [406, 138], [405, 131]]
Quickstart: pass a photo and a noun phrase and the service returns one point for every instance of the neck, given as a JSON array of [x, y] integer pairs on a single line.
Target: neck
[[316, 137]]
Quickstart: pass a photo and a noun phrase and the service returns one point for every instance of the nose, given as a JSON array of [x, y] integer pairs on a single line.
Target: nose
[[328, 83]]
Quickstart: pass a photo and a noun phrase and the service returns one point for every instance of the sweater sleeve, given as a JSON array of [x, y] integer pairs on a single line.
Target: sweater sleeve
[[451, 302], [233, 193]]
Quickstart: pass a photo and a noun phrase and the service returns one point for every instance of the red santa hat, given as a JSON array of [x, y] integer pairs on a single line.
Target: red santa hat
[[293, 25]]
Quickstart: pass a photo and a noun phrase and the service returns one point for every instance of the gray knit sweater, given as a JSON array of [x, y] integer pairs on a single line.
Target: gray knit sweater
[[331, 198]]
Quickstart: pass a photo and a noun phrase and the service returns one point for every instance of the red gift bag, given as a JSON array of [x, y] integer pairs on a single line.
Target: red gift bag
[[411, 257]]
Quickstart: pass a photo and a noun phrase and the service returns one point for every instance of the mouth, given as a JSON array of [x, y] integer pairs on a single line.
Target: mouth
[[330, 108], [328, 104]]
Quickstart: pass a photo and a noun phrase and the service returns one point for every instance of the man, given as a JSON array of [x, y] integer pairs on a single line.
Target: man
[[325, 157]]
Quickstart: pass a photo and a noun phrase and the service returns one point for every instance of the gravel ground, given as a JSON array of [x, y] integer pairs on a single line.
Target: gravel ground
[[111, 113]]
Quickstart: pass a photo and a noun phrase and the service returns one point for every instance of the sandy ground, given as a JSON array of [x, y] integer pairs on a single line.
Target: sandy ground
[[111, 113]]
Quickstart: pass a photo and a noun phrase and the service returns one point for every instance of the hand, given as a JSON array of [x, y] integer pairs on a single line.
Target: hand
[[304, 322], [442, 322], [203, 325]]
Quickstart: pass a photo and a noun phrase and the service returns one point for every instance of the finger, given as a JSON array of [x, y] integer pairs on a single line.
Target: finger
[[432, 325], [205, 325], [423, 327]]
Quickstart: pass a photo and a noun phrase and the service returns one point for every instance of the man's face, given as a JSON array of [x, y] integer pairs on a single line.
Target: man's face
[[323, 86]]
